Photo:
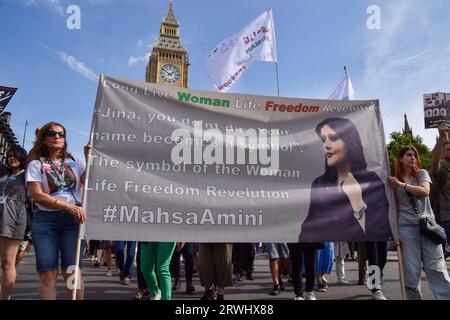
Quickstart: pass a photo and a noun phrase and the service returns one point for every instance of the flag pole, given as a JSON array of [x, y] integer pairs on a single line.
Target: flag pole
[[82, 226], [395, 219], [399, 251], [278, 83], [400, 269], [396, 241], [24, 133]]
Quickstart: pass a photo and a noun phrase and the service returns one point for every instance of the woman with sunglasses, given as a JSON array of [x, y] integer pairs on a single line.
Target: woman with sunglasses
[[54, 179], [15, 207], [412, 186]]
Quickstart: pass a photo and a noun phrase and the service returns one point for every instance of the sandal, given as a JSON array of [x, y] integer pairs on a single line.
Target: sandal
[[139, 295]]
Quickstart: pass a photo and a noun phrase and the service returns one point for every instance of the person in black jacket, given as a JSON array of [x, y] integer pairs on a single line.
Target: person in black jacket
[[348, 202]]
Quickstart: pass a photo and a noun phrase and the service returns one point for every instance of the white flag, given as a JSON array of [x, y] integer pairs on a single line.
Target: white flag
[[344, 91], [234, 55]]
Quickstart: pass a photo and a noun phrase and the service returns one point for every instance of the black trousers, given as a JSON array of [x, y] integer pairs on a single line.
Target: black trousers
[[243, 257], [377, 254], [302, 253], [93, 245], [188, 264], [140, 277]]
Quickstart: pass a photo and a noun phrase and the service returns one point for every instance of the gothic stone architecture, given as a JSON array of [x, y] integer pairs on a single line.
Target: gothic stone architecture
[[169, 61]]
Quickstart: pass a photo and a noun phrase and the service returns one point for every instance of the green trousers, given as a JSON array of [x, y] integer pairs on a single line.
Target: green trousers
[[158, 253]]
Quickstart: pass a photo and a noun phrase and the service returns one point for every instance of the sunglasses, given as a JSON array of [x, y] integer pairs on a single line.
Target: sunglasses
[[52, 133]]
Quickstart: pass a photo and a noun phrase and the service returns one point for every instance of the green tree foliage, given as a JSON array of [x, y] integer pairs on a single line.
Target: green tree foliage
[[399, 140]]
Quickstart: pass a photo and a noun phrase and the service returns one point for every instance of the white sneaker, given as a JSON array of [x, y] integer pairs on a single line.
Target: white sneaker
[[310, 296], [109, 273], [157, 297], [299, 298], [342, 281], [378, 295]]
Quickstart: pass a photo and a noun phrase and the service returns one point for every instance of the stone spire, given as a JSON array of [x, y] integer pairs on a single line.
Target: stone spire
[[170, 17], [407, 129]]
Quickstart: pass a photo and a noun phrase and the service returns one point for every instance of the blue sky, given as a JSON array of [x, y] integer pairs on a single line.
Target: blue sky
[[56, 69]]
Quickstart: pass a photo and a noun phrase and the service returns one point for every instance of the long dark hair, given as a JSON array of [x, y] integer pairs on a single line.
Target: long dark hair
[[20, 154], [40, 149], [347, 132]]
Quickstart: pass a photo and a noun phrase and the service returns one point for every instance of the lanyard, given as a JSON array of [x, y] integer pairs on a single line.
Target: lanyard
[[60, 174], [10, 178]]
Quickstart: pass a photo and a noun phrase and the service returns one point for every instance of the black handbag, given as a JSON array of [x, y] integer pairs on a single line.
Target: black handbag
[[428, 226], [432, 230]]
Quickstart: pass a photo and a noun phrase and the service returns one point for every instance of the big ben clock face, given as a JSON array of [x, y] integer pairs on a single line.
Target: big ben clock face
[[169, 73]]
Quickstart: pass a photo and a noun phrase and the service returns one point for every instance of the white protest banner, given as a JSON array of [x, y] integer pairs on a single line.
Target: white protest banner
[[234, 55], [174, 164]]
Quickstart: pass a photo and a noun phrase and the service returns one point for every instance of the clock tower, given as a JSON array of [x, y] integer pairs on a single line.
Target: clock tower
[[169, 62]]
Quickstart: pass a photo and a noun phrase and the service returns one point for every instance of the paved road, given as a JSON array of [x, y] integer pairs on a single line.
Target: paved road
[[100, 287]]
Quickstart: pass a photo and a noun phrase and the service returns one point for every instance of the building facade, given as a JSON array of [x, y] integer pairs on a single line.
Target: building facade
[[7, 136]]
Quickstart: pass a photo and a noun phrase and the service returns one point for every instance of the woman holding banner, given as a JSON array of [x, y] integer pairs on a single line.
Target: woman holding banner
[[54, 179], [412, 186], [348, 202]]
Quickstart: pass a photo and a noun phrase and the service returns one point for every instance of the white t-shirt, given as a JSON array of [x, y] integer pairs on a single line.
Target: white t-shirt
[[52, 181]]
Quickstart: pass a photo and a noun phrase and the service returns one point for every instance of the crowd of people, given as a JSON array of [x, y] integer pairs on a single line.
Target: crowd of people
[[41, 201]]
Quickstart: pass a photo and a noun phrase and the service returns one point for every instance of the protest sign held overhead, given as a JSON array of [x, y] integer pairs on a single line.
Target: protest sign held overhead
[[436, 109], [174, 164]]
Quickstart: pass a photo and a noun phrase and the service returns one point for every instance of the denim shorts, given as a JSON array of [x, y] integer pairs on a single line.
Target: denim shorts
[[277, 250], [55, 234]]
